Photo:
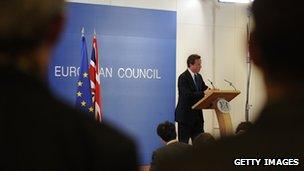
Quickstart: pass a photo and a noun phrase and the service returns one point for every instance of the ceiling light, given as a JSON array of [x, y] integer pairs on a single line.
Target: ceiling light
[[236, 1]]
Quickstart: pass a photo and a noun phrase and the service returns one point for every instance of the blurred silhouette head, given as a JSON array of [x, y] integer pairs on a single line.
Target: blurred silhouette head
[[243, 127], [166, 131], [276, 40], [28, 31], [203, 139]]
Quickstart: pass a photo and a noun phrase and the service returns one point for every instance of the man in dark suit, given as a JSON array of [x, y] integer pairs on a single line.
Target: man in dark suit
[[276, 139], [173, 156], [191, 87], [37, 131]]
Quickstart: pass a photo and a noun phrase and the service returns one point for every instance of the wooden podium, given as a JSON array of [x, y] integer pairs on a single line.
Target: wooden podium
[[219, 101]]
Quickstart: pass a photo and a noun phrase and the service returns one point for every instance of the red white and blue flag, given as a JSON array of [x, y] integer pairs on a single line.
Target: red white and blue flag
[[94, 72]]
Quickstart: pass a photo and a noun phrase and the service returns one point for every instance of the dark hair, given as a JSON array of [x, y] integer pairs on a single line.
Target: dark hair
[[203, 139], [243, 126], [166, 131], [25, 24], [279, 36], [191, 59]]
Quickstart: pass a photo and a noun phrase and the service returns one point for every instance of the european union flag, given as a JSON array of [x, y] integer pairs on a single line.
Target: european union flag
[[83, 94]]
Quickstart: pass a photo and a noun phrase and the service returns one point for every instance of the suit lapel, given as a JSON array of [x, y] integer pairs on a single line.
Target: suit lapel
[[190, 80]]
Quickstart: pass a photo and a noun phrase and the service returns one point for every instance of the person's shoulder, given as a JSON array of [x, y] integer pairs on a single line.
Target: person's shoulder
[[161, 152], [216, 156], [176, 146], [231, 147], [184, 74], [181, 145], [77, 120], [105, 140]]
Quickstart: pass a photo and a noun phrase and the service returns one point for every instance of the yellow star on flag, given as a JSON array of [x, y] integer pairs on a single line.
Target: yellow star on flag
[[85, 75], [79, 83], [91, 109], [83, 104], [79, 94]]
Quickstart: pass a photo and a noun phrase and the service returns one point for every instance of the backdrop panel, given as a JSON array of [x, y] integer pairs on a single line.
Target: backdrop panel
[[137, 49]]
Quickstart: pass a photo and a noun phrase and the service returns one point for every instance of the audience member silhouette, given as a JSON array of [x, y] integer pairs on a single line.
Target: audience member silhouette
[[37, 131], [174, 155]]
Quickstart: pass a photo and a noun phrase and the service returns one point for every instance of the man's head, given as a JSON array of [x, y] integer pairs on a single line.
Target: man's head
[[166, 131], [243, 127], [203, 139], [194, 63], [276, 41], [29, 28]]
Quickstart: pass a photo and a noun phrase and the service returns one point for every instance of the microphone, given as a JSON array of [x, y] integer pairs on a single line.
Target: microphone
[[211, 84], [230, 83]]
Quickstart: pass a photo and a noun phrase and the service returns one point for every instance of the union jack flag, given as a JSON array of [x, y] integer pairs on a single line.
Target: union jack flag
[[95, 81]]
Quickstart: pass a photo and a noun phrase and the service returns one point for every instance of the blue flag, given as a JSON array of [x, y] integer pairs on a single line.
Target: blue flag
[[83, 94]]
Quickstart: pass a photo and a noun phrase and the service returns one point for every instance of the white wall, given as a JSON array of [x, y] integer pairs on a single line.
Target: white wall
[[218, 33], [230, 60]]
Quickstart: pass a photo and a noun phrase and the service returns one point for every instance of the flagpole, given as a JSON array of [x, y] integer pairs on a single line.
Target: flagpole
[[82, 31]]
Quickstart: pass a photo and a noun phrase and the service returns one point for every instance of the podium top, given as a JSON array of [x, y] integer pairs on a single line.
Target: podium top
[[207, 101]]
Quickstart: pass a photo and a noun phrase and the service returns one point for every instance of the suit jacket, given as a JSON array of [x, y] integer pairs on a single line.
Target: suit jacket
[[277, 134], [40, 133], [188, 95], [171, 157]]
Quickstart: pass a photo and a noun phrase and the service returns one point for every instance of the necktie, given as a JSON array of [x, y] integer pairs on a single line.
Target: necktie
[[196, 82]]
